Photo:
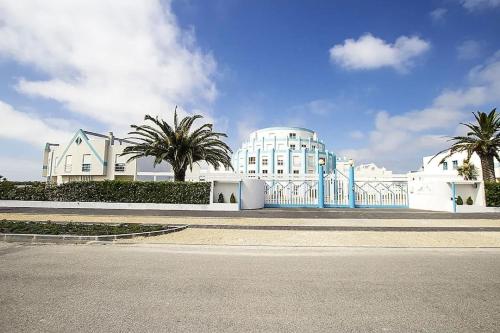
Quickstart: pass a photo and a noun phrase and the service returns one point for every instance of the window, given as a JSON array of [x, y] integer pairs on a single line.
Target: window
[[304, 146], [280, 172], [68, 166], [86, 163], [295, 172], [292, 147], [445, 165], [455, 165], [264, 161], [313, 147], [251, 171], [280, 160], [216, 168], [227, 168], [292, 135], [120, 163], [251, 160], [296, 161], [264, 171]]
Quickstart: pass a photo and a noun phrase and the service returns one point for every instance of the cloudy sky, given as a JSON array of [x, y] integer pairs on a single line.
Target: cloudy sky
[[380, 81]]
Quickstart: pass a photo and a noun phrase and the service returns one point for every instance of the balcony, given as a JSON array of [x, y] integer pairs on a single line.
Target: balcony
[[119, 167], [85, 167]]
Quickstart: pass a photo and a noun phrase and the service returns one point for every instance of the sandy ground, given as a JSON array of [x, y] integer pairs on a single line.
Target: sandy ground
[[251, 221], [325, 238]]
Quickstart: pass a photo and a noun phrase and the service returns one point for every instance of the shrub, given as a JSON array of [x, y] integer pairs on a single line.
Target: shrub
[[221, 198], [232, 199], [113, 191], [469, 201], [460, 201], [492, 192]]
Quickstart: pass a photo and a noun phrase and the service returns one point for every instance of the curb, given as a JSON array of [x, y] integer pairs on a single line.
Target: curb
[[73, 239], [344, 228]]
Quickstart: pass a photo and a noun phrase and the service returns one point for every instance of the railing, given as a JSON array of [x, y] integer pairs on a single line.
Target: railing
[[300, 191], [336, 189], [120, 167], [377, 193], [291, 193], [85, 167]]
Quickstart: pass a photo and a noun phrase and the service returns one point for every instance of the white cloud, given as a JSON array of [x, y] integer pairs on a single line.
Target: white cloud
[[437, 15], [480, 4], [400, 141], [111, 61], [469, 49], [357, 135], [30, 128], [369, 52]]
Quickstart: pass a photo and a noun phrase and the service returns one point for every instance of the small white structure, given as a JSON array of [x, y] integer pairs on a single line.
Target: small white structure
[[436, 186]]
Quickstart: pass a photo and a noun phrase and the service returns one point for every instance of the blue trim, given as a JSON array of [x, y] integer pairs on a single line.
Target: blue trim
[[239, 195], [289, 161], [453, 196], [81, 134], [381, 206], [321, 188], [257, 162], [352, 191], [290, 206]]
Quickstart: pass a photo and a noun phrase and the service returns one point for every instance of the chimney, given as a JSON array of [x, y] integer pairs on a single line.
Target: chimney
[[111, 138]]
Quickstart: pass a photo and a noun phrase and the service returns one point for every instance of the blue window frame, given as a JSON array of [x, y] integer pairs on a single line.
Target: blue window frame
[[445, 165]]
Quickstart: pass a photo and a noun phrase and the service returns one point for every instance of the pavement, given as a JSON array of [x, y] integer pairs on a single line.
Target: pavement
[[172, 288], [290, 213]]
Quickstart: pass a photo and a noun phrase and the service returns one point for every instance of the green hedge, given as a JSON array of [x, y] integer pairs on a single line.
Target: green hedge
[[492, 194], [111, 191], [81, 229]]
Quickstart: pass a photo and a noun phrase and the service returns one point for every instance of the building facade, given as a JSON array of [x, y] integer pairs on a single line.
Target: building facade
[[88, 156], [432, 166], [282, 152]]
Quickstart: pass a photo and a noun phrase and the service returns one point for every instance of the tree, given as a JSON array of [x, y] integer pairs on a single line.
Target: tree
[[178, 145], [467, 170], [3, 179], [483, 139]]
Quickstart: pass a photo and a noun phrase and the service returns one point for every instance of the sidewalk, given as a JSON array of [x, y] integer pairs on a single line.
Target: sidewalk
[[233, 221]]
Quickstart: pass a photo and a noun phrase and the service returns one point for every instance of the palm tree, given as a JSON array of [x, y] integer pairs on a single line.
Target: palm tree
[[178, 145], [467, 170], [482, 139]]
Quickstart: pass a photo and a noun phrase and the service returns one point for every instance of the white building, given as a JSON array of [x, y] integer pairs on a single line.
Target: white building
[[282, 152], [432, 166], [93, 156]]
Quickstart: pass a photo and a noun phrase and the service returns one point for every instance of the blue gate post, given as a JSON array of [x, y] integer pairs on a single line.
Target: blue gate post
[[453, 196], [352, 192], [321, 188]]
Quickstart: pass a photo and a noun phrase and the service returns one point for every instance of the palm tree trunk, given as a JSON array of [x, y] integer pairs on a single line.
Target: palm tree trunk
[[488, 168], [180, 175]]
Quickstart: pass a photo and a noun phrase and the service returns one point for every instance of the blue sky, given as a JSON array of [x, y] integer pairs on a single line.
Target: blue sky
[[380, 81]]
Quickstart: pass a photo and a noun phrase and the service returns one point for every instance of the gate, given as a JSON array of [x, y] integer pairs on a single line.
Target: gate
[[337, 190]]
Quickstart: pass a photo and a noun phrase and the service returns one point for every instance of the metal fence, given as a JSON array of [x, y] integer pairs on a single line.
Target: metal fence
[[336, 191]]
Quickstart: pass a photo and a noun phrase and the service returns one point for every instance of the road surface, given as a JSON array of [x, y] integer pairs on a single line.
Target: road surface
[[148, 288]]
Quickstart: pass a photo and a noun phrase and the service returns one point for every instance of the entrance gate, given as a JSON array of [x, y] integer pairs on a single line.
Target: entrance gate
[[336, 190]]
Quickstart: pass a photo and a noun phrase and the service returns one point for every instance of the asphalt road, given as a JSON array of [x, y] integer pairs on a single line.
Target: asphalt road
[[299, 213], [103, 288]]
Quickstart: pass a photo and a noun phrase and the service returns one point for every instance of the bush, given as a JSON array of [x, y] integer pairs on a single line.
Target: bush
[[460, 201], [221, 198], [469, 201], [232, 199], [82, 229], [112, 191], [492, 192]]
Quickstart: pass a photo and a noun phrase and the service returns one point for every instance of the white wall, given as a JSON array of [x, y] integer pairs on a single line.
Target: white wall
[[434, 192], [252, 194]]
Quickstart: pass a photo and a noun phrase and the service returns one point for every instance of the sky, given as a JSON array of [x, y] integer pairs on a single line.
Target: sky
[[380, 81]]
